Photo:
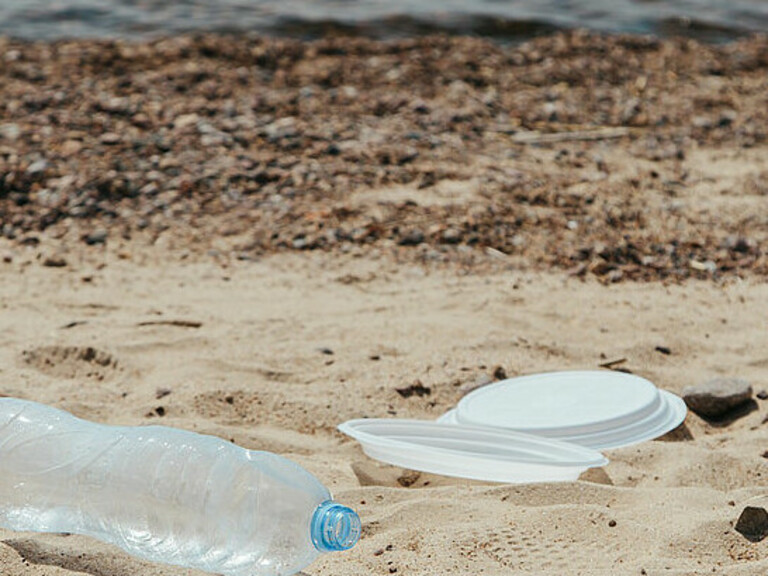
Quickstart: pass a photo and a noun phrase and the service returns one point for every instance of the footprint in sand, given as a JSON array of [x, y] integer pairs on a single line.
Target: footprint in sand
[[71, 362]]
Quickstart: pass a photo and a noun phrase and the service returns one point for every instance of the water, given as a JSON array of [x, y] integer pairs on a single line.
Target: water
[[708, 20]]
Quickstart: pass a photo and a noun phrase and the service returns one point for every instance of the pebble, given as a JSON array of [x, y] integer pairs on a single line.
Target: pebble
[[185, 120], [10, 132], [412, 238], [70, 148], [364, 133], [96, 237], [54, 262], [110, 138], [716, 397], [753, 523], [37, 167], [417, 389], [452, 236]]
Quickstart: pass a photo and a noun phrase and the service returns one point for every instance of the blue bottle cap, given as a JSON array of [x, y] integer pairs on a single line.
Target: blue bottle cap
[[334, 527]]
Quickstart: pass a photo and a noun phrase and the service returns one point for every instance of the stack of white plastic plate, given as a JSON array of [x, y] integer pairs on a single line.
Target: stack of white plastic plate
[[483, 453], [540, 428], [594, 409]]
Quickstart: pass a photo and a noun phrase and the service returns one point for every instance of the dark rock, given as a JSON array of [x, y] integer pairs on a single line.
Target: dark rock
[[753, 523], [412, 238], [762, 395], [326, 351], [718, 396], [415, 389], [54, 262], [663, 350], [162, 392], [408, 478], [499, 373]]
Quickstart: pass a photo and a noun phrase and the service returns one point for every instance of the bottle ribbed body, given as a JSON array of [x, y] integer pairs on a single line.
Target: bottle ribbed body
[[160, 493]]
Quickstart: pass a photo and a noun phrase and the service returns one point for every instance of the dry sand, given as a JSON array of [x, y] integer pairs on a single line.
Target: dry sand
[[254, 370]]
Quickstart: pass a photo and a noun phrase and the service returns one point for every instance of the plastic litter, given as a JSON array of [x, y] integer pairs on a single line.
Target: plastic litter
[[595, 409], [478, 453], [164, 494]]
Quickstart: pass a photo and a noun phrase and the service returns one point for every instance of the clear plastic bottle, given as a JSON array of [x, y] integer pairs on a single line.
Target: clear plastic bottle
[[164, 494]]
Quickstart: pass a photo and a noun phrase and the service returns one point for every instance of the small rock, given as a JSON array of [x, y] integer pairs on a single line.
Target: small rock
[[408, 478], [412, 238], [54, 262], [185, 120], [718, 396], [96, 237], [499, 373], [415, 389], [452, 236], [663, 350], [326, 351], [753, 523], [10, 132], [299, 243], [70, 148], [162, 392], [37, 167], [7, 257], [110, 138], [762, 395], [727, 118], [281, 128]]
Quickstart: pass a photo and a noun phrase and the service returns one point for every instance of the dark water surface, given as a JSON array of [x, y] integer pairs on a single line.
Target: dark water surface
[[708, 20]]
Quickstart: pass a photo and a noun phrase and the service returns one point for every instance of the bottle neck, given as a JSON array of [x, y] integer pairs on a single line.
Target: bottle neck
[[334, 527]]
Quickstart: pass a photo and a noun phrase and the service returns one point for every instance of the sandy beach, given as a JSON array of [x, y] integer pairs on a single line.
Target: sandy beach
[[261, 239]]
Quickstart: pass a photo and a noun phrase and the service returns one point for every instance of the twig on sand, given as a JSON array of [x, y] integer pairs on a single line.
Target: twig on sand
[[178, 323], [611, 364], [533, 137]]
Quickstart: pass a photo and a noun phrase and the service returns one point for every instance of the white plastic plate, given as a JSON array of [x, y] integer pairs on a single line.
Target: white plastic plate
[[477, 453], [596, 409]]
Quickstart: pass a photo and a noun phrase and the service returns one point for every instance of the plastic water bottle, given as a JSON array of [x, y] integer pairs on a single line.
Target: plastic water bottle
[[165, 495]]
